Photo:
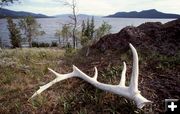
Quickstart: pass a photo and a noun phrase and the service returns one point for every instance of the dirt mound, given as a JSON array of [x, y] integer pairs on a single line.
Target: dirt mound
[[158, 48], [163, 38]]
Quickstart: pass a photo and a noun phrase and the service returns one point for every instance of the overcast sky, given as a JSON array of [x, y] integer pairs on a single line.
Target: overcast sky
[[96, 7]]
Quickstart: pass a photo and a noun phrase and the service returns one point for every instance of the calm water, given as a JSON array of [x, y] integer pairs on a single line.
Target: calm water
[[50, 25]]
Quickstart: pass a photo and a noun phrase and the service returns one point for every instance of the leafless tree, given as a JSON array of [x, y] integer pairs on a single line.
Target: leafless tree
[[73, 5]]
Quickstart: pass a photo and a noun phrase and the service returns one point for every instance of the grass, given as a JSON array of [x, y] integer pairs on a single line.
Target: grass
[[22, 71]]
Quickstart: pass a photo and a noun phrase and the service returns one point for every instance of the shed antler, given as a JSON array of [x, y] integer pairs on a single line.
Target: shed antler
[[130, 91]]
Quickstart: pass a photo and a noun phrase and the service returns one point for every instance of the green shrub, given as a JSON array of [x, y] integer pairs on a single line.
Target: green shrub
[[36, 44], [54, 44]]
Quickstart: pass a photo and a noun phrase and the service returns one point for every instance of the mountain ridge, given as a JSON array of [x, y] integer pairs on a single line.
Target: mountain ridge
[[151, 13], [18, 14]]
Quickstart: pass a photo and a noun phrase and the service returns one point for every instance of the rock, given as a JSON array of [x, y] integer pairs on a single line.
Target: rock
[[154, 36]]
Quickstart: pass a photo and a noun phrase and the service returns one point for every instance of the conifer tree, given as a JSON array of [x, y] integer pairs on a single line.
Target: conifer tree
[[87, 31], [92, 26], [83, 28]]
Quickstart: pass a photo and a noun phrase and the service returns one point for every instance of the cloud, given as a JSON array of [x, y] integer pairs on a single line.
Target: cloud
[[96, 7]]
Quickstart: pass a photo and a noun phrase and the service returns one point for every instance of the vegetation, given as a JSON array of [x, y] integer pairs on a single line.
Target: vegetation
[[1, 43], [20, 71], [102, 30], [24, 70], [86, 35], [87, 32], [65, 34], [31, 28], [92, 26], [73, 6], [14, 35], [7, 2], [54, 44], [37, 44], [42, 44]]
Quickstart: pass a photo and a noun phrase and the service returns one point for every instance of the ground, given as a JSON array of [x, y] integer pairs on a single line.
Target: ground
[[22, 71]]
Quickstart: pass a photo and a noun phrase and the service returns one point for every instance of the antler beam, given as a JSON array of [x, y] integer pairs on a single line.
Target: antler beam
[[130, 92]]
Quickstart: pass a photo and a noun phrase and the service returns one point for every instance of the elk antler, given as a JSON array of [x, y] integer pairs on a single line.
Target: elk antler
[[130, 92]]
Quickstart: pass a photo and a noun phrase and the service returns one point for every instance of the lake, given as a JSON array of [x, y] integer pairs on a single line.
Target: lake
[[50, 25]]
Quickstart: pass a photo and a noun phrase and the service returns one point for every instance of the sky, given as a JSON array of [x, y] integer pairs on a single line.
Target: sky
[[95, 7]]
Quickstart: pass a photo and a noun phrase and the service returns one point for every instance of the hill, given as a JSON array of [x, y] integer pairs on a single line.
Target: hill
[[152, 13], [16, 14]]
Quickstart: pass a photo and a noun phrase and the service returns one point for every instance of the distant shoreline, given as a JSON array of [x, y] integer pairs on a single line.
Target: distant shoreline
[[100, 17], [152, 13], [24, 17], [138, 17]]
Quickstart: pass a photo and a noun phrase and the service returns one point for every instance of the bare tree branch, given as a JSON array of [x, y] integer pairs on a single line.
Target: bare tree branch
[[73, 6]]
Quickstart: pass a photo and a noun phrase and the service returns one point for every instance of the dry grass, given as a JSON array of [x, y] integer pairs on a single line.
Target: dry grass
[[22, 71]]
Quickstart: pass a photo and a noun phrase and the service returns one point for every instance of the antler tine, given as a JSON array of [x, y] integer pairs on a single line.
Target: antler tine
[[135, 70], [59, 77], [123, 75], [96, 73]]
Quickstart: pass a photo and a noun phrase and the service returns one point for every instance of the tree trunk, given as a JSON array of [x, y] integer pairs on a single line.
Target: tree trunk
[[1, 43], [30, 40], [59, 41], [75, 24], [30, 43]]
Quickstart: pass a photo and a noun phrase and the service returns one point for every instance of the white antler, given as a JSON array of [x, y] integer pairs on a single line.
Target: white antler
[[130, 92]]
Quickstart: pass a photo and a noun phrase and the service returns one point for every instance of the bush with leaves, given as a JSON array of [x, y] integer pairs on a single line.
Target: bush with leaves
[[14, 35], [31, 28], [40, 44], [69, 52], [65, 33], [104, 29], [54, 44]]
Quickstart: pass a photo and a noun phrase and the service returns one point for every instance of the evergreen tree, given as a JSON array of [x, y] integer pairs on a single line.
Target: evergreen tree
[[83, 26], [15, 35], [92, 26], [87, 31]]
